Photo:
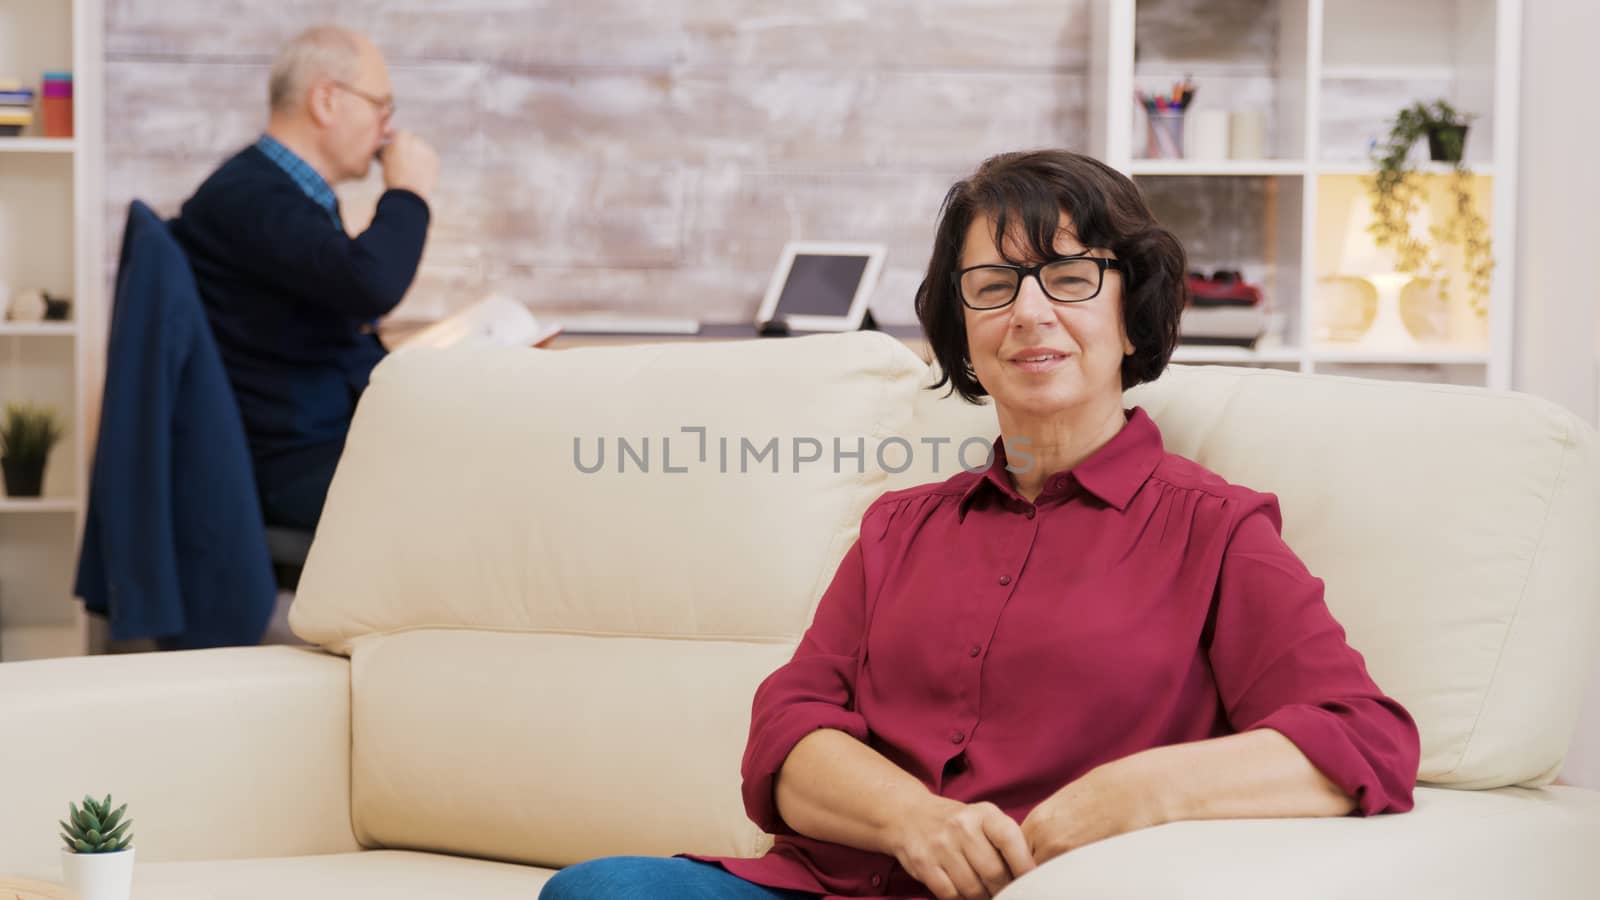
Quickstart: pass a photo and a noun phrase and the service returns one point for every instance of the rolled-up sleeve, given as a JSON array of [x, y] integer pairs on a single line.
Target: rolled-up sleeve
[[815, 689], [1281, 661]]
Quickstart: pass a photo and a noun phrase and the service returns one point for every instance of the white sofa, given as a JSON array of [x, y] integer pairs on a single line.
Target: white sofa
[[533, 665]]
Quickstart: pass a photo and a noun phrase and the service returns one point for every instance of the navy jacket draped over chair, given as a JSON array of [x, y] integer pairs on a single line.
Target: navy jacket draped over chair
[[173, 546]]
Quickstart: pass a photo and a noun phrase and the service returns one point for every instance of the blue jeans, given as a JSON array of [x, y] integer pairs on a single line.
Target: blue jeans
[[650, 877]]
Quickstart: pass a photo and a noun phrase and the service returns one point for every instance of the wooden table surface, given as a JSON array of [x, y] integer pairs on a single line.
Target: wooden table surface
[[28, 889]]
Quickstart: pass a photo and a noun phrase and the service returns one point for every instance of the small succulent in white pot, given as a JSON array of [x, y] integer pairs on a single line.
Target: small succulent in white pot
[[98, 860]]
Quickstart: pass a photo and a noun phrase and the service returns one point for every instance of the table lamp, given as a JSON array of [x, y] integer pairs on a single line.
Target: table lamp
[[1361, 257]]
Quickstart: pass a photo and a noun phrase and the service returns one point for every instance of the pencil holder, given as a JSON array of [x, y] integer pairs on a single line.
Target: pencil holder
[[1165, 135]]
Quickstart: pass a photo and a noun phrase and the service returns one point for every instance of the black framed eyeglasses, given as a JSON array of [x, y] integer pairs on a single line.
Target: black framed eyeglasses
[[383, 105], [1068, 279]]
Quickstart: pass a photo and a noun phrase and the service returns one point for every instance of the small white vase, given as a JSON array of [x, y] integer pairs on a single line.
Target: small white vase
[[98, 876]]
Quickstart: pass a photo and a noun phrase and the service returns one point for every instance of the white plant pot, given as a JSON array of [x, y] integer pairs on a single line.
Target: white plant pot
[[98, 876]]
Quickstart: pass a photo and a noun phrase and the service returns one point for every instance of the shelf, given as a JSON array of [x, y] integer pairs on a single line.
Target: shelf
[[23, 642], [1219, 167], [37, 145], [1205, 353], [1283, 167], [1425, 356], [1358, 72], [38, 329], [38, 505], [1358, 167]]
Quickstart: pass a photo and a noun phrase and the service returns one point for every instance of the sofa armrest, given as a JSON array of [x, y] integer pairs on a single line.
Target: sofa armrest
[[1455, 845], [241, 752]]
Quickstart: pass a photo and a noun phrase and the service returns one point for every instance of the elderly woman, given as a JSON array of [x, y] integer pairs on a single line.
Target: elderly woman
[[1091, 637]]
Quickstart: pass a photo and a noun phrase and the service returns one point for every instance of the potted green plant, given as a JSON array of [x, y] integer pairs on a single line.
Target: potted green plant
[[1397, 192], [98, 860], [26, 438]]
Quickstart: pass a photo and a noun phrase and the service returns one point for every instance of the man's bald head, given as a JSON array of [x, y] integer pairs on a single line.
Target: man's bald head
[[323, 51], [332, 101]]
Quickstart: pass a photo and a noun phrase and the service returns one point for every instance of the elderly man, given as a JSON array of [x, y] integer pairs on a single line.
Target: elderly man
[[292, 298]]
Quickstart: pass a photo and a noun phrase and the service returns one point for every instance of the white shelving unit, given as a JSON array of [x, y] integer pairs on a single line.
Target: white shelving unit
[[39, 329], [51, 237], [1327, 75], [38, 145], [38, 505]]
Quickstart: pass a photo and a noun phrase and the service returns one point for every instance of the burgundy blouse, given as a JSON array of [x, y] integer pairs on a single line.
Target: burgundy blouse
[[998, 649]]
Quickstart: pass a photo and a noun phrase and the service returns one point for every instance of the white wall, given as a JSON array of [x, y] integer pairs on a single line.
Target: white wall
[[1558, 284], [1558, 290]]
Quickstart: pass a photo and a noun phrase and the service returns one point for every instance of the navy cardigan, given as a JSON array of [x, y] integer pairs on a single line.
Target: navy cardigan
[[292, 300]]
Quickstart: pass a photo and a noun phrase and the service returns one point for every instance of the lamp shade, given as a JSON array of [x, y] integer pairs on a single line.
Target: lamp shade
[[1360, 255]]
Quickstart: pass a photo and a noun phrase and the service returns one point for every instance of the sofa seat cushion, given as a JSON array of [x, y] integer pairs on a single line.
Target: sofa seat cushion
[[374, 875], [550, 749], [1466, 845]]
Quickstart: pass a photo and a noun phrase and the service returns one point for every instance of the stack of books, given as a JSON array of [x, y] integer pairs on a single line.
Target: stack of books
[[16, 107], [1223, 309]]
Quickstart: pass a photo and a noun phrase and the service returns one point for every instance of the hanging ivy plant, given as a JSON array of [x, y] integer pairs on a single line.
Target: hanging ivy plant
[[1397, 193]]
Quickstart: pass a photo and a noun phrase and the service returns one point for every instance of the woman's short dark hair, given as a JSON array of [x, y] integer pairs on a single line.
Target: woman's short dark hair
[[1025, 194]]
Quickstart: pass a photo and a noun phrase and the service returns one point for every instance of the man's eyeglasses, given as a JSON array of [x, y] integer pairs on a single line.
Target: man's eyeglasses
[[1069, 279], [384, 106]]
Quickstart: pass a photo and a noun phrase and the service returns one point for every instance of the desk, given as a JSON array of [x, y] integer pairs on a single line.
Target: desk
[[393, 332], [722, 331]]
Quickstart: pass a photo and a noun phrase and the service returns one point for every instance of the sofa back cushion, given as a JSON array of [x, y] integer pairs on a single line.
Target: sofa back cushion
[[552, 664], [463, 496], [1456, 532]]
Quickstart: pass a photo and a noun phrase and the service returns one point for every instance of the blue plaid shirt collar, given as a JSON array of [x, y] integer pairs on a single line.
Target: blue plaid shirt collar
[[306, 177]]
